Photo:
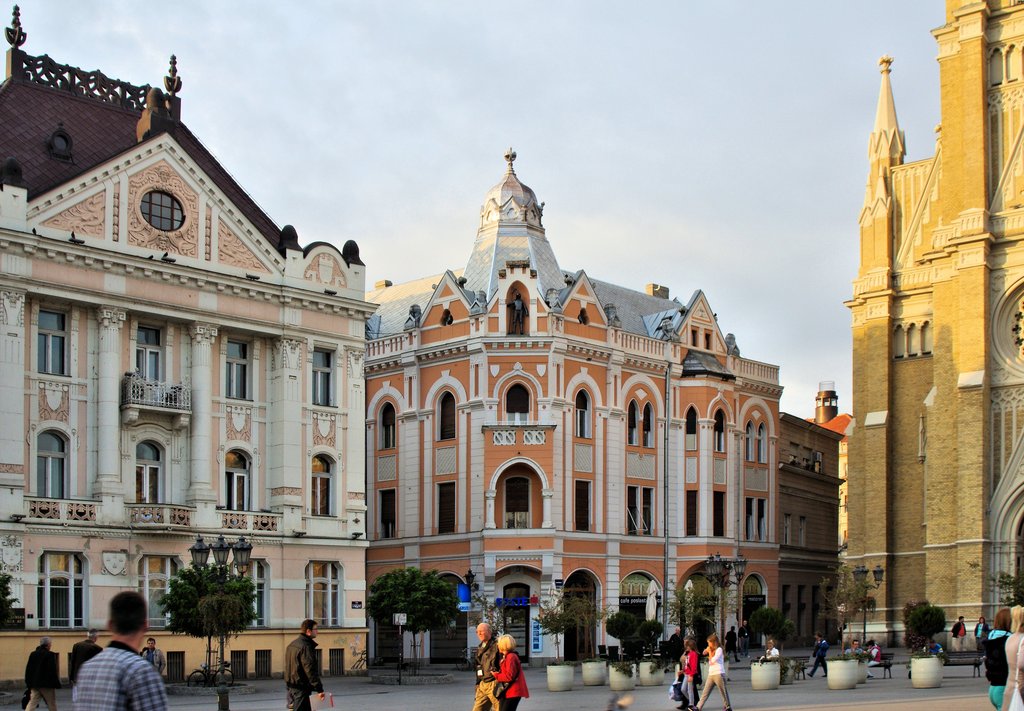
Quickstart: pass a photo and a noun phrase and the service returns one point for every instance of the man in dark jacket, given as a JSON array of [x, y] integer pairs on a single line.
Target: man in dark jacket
[[81, 653], [301, 674], [486, 664], [41, 676]]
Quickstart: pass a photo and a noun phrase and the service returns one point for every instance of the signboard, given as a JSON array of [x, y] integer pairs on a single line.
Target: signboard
[[634, 599], [559, 582], [357, 604], [465, 596], [536, 637], [398, 619], [17, 620], [512, 601]]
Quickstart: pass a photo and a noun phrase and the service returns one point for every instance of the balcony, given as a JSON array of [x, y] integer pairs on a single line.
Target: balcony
[[250, 521], [63, 510], [159, 515], [138, 393]]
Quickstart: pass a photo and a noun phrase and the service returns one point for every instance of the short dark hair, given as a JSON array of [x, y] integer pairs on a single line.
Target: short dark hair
[[128, 612], [307, 625]]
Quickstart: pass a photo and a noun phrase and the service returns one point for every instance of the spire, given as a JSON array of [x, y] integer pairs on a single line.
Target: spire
[[15, 35], [887, 135]]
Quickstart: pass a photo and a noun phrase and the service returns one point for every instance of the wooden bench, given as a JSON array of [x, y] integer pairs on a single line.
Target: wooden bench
[[885, 664], [962, 659], [799, 667]]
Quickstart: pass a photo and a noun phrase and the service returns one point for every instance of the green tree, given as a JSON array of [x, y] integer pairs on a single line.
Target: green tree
[[555, 618], [428, 601], [771, 622], [1011, 588], [7, 599], [927, 620], [689, 607], [845, 598]]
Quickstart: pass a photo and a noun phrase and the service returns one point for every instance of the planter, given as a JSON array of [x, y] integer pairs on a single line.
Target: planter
[[593, 673], [619, 681], [765, 677], [560, 677], [862, 672], [786, 675], [651, 674], [842, 673], [925, 672]]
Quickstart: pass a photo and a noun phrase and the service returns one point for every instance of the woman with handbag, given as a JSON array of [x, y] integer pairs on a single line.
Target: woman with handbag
[[716, 674], [510, 683], [690, 666], [1012, 700]]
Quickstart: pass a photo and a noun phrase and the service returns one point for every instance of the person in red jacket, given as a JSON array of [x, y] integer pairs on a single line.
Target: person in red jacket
[[511, 670], [690, 662]]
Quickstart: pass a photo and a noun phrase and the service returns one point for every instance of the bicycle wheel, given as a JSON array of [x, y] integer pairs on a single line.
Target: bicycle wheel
[[197, 678], [224, 677]]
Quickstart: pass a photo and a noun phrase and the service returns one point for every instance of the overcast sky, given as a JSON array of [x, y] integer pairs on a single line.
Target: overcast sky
[[701, 145]]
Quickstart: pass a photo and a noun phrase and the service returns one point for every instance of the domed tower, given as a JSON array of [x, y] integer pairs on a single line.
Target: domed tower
[[511, 231]]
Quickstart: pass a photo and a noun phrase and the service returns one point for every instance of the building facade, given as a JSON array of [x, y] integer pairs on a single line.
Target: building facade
[[173, 365], [935, 489], [540, 428]]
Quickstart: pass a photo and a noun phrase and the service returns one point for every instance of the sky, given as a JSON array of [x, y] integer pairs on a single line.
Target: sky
[[719, 146]]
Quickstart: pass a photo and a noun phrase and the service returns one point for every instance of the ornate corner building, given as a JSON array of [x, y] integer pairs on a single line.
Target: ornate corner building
[[173, 364], [935, 487], [538, 427]]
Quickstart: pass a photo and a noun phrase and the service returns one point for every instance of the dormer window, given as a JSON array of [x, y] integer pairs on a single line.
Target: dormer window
[[59, 144], [162, 211]]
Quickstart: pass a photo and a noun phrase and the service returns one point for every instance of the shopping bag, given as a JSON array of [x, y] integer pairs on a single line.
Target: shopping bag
[[315, 702], [675, 691]]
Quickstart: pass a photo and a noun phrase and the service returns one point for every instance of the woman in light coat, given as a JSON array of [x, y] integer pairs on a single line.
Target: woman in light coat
[[1014, 643]]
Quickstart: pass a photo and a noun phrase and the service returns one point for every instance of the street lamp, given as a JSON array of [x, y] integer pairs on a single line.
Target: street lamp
[[860, 574], [723, 572], [221, 550]]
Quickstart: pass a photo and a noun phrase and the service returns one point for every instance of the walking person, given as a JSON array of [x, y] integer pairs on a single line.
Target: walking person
[[820, 650], [154, 656], [744, 638], [690, 662], [730, 644], [511, 672], [41, 676], [118, 679], [996, 670], [1014, 648], [957, 634], [81, 653], [486, 664], [716, 674], [301, 672]]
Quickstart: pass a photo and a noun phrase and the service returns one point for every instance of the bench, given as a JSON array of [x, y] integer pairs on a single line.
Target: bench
[[885, 664], [962, 659], [799, 667]]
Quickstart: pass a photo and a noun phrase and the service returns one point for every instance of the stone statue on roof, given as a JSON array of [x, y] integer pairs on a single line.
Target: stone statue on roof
[[517, 322]]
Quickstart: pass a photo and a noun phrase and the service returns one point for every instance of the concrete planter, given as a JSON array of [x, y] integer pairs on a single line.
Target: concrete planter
[[651, 674], [619, 681], [862, 672], [925, 672], [593, 673], [842, 673], [560, 677], [765, 677]]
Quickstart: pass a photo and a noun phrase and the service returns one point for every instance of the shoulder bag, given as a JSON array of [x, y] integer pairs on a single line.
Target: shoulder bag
[[501, 687]]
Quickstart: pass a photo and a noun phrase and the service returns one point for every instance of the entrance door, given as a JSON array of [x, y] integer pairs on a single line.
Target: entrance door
[[516, 618]]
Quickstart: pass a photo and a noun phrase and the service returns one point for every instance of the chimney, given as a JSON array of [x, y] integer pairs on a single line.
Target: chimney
[[382, 284], [826, 404], [657, 290]]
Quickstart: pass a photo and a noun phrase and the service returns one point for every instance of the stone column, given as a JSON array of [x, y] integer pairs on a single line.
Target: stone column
[[489, 513], [285, 458], [546, 496], [12, 390], [108, 401], [201, 462]]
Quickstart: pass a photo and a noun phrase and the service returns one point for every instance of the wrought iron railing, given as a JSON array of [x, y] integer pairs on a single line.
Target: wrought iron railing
[[137, 390]]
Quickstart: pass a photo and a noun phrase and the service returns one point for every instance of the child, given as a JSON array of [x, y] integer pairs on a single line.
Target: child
[[691, 663]]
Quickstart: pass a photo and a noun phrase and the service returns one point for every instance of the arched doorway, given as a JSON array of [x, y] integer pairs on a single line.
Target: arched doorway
[[753, 598], [579, 643], [448, 644], [702, 589]]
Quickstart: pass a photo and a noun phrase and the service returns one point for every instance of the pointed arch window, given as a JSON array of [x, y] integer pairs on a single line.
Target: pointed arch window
[[748, 442], [719, 431], [632, 435], [51, 466], [517, 405], [762, 444], [691, 429], [899, 342], [926, 338], [446, 417], [583, 415], [517, 502], [148, 473], [913, 346], [648, 426], [387, 426]]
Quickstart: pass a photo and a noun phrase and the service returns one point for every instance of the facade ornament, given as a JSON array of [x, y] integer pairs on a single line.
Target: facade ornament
[[885, 62], [202, 333], [172, 82], [11, 549], [510, 158], [15, 35], [12, 308], [115, 562], [110, 317]]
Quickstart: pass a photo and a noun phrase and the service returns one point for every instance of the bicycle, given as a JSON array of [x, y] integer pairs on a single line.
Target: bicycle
[[466, 662], [360, 662], [220, 675]]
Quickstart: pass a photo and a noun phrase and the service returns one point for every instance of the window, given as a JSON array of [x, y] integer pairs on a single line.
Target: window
[[718, 514], [639, 510], [581, 505], [899, 342], [148, 353], [517, 405], [926, 338], [320, 489], [707, 340], [648, 426], [322, 370], [236, 481], [387, 426], [517, 502], [691, 429], [387, 513], [632, 437], [236, 379], [447, 417], [748, 442], [583, 414], [154, 572], [756, 520], [52, 343], [51, 466], [691, 513], [802, 531], [446, 318], [583, 317], [323, 593], [261, 603], [162, 211], [719, 431], [446, 507], [147, 473], [762, 444], [787, 527], [60, 594]]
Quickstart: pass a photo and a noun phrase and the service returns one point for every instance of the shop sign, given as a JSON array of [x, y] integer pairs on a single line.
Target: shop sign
[[512, 601]]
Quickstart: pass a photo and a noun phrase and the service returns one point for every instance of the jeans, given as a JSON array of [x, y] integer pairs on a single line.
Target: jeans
[[714, 680], [824, 666]]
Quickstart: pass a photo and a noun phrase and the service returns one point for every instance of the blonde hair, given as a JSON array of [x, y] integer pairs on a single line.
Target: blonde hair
[[713, 641], [1016, 618], [506, 643]]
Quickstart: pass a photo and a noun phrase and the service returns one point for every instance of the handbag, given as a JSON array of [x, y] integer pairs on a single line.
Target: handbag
[[25, 697], [501, 687], [675, 691]]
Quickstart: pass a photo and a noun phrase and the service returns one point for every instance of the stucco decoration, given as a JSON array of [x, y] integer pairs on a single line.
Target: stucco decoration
[[6, 468], [324, 429], [287, 353], [87, 217], [355, 366], [11, 553], [12, 308], [325, 269], [183, 241], [233, 252], [356, 496], [115, 562], [239, 423], [286, 491], [53, 401]]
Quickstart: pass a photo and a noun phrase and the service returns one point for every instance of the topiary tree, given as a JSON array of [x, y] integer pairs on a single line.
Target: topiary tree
[[927, 620], [771, 622], [428, 601], [649, 632], [911, 638], [621, 624]]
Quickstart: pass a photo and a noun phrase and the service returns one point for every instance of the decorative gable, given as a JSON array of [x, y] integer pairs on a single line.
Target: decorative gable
[[231, 251], [87, 217], [325, 269], [163, 177]]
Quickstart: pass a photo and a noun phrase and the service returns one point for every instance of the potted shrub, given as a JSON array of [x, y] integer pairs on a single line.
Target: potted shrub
[[843, 671], [649, 632], [925, 667], [787, 668], [765, 673], [586, 614], [771, 622], [555, 620], [620, 676]]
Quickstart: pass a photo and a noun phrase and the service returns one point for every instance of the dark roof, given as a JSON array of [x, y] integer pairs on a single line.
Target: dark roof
[[698, 363]]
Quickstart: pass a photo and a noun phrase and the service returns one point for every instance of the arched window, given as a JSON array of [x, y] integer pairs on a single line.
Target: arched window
[[583, 414], [261, 603], [320, 487], [517, 404], [446, 417], [691, 429], [913, 345], [154, 573], [926, 338], [748, 442], [446, 318], [323, 593], [583, 318], [899, 342], [148, 468], [387, 426], [1012, 64], [51, 466], [632, 436], [762, 444], [648, 426], [995, 68], [719, 431], [236, 481], [517, 502], [60, 593]]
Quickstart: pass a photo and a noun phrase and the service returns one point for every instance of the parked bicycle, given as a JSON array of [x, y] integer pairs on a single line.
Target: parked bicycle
[[466, 662], [360, 662], [219, 675]]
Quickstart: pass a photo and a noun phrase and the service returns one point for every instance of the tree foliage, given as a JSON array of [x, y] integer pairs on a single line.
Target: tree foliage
[[927, 620], [201, 606], [428, 601], [912, 639], [771, 622], [689, 607], [845, 598], [622, 624], [1011, 588], [585, 614], [555, 618], [7, 599]]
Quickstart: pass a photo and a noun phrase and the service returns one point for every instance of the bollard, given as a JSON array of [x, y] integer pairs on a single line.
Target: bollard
[[223, 703]]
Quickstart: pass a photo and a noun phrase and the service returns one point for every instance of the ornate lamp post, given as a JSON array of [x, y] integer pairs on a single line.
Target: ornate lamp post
[[221, 550], [860, 574], [723, 572]]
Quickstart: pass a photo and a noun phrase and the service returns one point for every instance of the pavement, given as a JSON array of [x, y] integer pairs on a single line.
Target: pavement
[[959, 691]]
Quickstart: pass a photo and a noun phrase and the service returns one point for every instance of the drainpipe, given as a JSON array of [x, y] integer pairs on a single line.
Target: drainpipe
[[664, 489]]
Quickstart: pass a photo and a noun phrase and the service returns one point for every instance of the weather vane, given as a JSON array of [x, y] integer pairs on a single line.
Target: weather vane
[[15, 35], [172, 82]]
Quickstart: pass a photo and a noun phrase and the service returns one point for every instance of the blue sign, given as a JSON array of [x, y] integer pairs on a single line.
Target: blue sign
[[536, 637], [465, 597], [512, 601]]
